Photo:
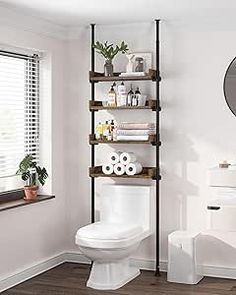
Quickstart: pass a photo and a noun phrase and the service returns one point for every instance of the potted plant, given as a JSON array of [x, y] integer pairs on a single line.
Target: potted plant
[[108, 51], [32, 174]]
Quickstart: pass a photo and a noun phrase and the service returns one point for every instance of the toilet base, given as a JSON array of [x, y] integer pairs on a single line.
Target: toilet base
[[111, 275]]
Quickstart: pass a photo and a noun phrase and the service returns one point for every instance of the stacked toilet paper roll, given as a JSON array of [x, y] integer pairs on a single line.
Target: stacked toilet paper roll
[[126, 158], [108, 168], [121, 163], [114, 157], [119, 169], [133, 168]]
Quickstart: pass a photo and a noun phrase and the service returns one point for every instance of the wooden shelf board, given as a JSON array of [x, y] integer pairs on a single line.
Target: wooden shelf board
[[97, 106], [99, 77], [94, 141], [147, 173], [14, 203]]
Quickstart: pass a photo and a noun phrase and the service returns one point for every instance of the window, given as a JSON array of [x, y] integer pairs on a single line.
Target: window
[[19, 114]]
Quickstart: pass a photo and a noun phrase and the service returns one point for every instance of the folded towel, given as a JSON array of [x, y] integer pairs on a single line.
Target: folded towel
[[139, 126], [132, 137], [135, 132]]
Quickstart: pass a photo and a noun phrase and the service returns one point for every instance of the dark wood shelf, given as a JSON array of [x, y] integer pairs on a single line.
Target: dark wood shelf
[[99, 77], [94, 141], [147, 173], [19, 202], [95, 105]]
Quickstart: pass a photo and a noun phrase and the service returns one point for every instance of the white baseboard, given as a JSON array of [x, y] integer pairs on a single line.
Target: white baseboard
[[218, 271], [145, 264], [77, 257], [149, 264], [34, 270]]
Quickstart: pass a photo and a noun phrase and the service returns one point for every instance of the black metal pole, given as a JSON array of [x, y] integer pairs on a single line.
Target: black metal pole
[[157, 272], [92, 124]]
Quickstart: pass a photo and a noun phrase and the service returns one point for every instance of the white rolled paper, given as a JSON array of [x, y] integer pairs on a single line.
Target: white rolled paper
[[133, 168], [119, 169], [107, 169], [126, 158], [114, 157]]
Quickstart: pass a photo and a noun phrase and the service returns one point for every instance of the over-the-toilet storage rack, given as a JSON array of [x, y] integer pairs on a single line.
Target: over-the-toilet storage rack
[[154, 105]]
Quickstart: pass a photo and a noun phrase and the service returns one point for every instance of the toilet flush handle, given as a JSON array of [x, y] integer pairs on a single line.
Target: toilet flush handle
[[213, 207]]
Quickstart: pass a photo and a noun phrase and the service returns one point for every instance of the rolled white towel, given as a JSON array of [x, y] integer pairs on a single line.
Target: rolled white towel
[[114, 157], [127, 157], [108, 169], [119, 169], [133, 168]]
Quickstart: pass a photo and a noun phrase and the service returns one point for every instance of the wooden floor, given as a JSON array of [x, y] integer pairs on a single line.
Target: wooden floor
[[70, 279]]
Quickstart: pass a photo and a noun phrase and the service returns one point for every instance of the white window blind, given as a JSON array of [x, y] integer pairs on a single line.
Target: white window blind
[[19, 110]]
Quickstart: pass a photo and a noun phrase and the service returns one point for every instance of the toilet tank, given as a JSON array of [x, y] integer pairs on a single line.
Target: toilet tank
[[126, 203]]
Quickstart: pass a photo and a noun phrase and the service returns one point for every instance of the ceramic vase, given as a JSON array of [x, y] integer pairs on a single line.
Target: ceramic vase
[[108, 68]]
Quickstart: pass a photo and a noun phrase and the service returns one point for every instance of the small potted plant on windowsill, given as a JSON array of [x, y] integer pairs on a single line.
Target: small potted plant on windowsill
[[32, 174], [109, 52]]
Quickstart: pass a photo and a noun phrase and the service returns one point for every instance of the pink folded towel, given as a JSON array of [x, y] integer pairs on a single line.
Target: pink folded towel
[[137, 126], [135, 132]]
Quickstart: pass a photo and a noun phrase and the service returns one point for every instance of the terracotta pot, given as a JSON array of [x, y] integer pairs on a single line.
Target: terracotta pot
[[31, 192]]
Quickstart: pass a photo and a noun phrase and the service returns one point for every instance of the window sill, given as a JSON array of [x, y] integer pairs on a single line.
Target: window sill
[[14, 201]]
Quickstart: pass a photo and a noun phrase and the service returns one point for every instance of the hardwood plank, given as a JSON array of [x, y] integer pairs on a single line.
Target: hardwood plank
[[70, 279]]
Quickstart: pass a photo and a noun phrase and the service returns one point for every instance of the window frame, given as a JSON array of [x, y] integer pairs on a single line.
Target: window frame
[[17, 193]]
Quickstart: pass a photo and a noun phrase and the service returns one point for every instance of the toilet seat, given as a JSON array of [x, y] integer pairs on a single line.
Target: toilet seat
[[108, 235]]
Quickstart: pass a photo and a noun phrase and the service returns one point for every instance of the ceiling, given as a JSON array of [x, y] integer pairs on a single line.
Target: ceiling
[[72, 13]]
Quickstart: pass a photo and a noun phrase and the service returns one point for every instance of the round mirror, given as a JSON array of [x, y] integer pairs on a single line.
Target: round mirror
[[230, 86]]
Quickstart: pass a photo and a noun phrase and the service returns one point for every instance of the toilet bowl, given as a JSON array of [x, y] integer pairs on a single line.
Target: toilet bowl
[[109, 243]]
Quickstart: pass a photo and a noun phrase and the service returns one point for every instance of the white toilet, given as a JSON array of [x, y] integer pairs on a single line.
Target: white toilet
[[125, 222]]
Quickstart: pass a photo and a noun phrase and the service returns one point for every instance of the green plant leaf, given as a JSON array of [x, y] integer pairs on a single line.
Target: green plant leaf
[[25, 175], [25, 164], [42, 174], [108, 51]]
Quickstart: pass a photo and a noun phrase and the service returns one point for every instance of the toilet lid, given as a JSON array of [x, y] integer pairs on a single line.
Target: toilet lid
[[109, 231]]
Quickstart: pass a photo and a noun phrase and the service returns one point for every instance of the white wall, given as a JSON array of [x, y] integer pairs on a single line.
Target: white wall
[[76, 140], [32, 234], [197, 128]]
